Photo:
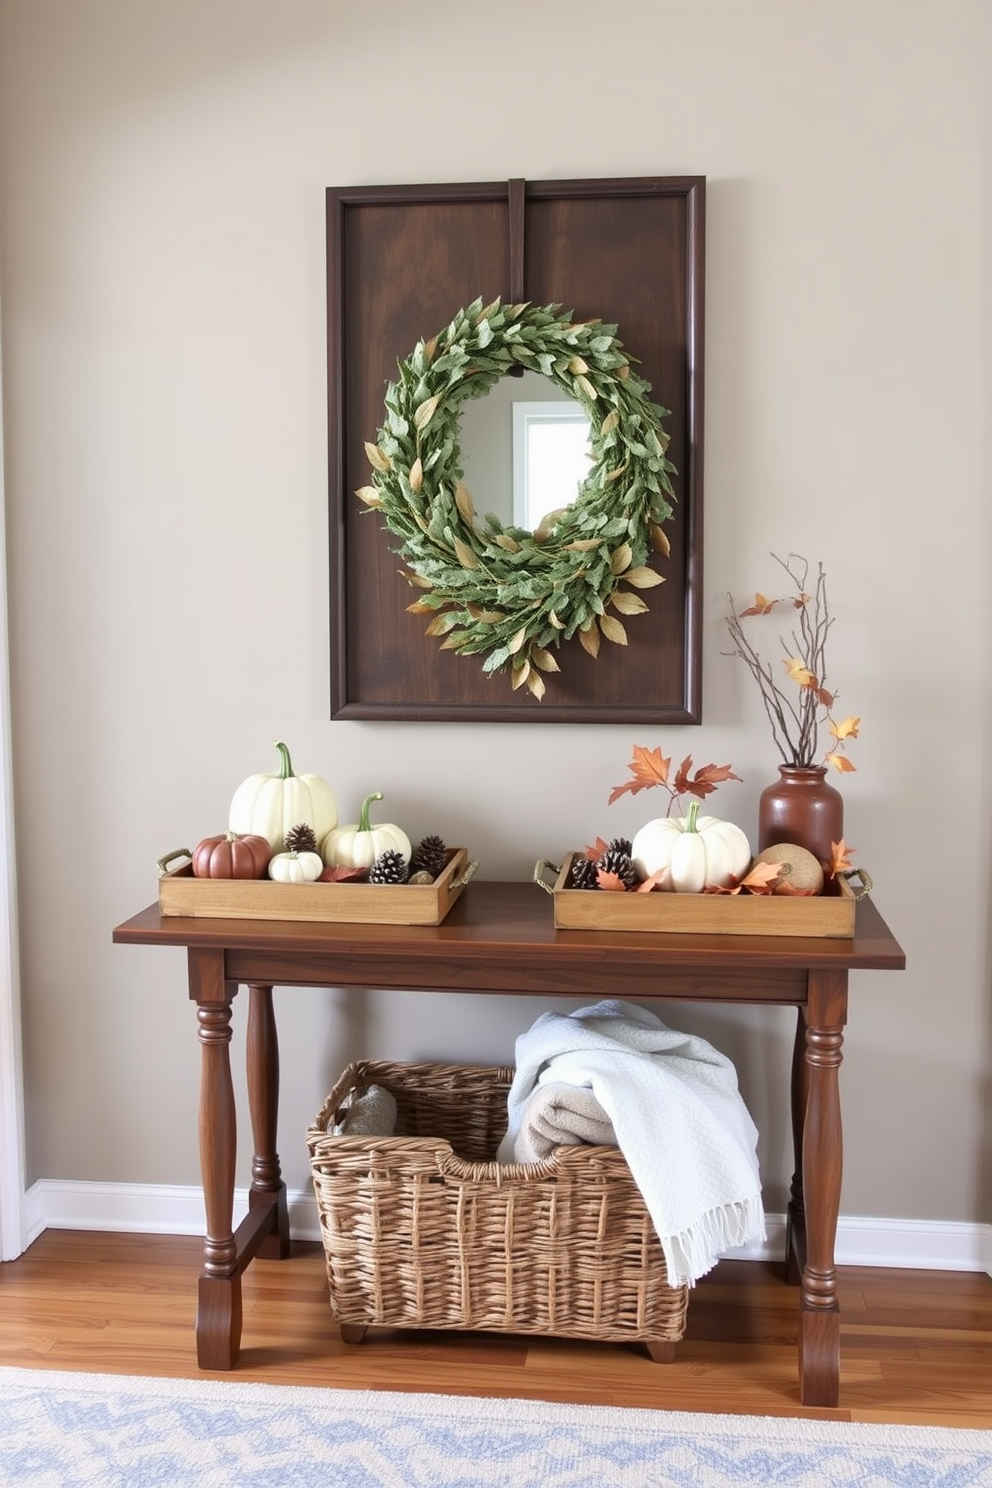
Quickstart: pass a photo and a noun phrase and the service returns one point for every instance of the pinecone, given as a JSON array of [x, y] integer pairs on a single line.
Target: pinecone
[[619, 863], [388, 868], [302, 838], [621, 845], [429, 856], [582, 874]]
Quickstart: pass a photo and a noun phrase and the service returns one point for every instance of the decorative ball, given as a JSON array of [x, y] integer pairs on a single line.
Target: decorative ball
[[802, 869]]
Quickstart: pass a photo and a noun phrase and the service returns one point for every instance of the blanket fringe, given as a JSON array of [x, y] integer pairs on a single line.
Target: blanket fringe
[[695, 1251]]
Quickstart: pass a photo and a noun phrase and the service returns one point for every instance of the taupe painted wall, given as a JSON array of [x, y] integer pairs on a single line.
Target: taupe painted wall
[[162, 249]]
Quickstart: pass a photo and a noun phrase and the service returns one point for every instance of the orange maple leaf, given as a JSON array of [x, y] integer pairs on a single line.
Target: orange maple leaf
[[761, 606], [610, 881], [705, 780], [596, 851], [846, 729], [648, 767], [840, 858], [824, 697], [655, 881], [799, 672], [763, 878], [839, 762]]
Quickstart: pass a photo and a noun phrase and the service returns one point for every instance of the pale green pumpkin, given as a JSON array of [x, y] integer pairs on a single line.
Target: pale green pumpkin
[[359, 844]]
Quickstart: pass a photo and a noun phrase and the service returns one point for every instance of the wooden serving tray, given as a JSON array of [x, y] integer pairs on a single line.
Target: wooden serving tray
[[830, 913], [179, 893]]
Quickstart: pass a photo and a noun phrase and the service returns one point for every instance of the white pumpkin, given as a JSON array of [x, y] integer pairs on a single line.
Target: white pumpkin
[[270, 805], [358, 845], [296, 867], [695, 852]]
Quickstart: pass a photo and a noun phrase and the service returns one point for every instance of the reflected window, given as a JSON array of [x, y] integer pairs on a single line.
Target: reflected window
[[551, 458]]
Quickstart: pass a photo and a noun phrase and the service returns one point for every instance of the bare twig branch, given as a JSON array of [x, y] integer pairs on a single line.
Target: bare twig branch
[[795, 717]]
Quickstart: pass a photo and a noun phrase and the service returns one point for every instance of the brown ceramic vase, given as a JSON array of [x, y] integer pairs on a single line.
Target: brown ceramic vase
[[801, 807]]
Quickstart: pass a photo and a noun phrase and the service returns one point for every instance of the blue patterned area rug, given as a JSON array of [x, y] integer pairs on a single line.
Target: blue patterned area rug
[[64, 1430]]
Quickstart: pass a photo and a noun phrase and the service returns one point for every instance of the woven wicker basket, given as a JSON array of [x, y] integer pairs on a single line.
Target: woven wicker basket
[[426, 1230]]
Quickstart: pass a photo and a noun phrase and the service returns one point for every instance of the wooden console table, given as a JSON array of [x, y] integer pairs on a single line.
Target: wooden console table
[[499, 937]]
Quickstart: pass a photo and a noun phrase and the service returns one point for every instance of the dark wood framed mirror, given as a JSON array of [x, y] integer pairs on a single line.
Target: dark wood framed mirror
[[401, 261]]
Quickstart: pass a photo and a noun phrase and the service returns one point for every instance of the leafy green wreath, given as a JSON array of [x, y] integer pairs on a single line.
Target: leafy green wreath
[[498, 590]]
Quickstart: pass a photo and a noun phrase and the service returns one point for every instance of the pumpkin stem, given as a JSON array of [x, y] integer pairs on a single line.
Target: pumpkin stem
[[363, 819], [286, 771], [689, 824]]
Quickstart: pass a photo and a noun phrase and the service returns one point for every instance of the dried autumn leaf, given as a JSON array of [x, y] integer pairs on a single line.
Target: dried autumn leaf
[[466, 555], [577, 365], [610, 881], [610, 422], [643, 577], [659, 540], [487, 617], [840, 858], [420, 607], [596, 851], [423, 415], [507, 543], [840, 762], [846, 729], [655, 881], [627, 603], [799, 672], [417, 474], [824, 697], [761, 606], [464, 503], [763, 878], [589, 638], [417, 580], [543, 658], [648, 767], [370, 495], [337, 873], [378, 459], [517, 641], [535, 683], [519, 675], [613, 630], [587, 387], [705, 780], [621, 558]]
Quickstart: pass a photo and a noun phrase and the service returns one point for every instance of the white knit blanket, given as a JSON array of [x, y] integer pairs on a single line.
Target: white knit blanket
[[680, 1122]]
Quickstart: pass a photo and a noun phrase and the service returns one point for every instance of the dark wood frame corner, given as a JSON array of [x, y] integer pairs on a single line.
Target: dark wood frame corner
[[401, 260]]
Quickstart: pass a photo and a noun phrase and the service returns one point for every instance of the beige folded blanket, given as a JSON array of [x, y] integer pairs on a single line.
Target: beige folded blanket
[[559, 1115]]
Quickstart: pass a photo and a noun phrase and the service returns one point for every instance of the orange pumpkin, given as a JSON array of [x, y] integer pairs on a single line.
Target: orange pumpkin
[[231, 855]]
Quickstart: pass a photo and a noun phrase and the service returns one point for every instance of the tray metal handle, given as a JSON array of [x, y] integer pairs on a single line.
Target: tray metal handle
[[541, 867], [866, 882], [471, 869], [163, 863]]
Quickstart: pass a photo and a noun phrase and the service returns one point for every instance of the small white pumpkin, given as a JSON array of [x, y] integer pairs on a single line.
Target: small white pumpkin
[[269, 805], [296, 867], [694, 851], [358, 845]]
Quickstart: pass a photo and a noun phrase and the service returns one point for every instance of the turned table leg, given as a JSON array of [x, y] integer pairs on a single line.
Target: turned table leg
[[795, 1218], [263, 1101], [218, 1320], [822, 1164]]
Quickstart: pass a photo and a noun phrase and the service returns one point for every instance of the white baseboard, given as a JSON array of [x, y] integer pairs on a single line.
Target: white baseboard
[[925, 1244]]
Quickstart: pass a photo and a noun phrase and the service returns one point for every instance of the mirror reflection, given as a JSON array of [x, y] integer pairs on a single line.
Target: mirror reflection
[[525, 449]]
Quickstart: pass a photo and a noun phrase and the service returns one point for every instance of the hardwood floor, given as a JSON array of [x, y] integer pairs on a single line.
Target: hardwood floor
[[916, 1345]]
